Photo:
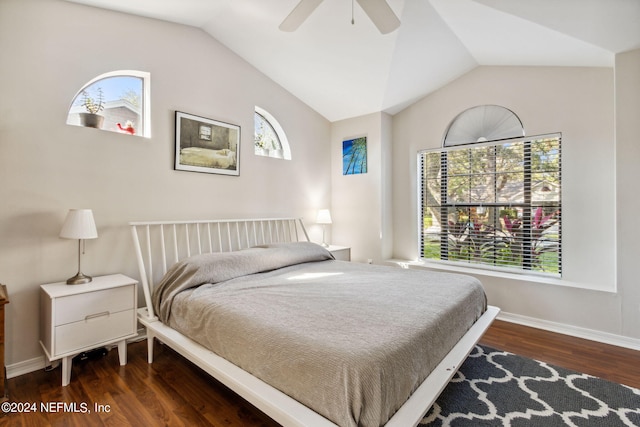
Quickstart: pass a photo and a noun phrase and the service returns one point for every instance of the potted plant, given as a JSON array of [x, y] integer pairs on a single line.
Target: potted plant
[[93, 105], [261, 149]]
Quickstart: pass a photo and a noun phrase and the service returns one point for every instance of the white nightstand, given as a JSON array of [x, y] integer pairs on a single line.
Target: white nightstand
[[341, 253], [77, 318]]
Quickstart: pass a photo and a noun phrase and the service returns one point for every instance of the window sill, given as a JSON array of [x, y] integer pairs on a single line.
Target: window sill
[[530, 278]]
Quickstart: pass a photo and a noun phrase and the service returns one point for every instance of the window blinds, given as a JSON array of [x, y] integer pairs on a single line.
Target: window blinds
[[495, 204]]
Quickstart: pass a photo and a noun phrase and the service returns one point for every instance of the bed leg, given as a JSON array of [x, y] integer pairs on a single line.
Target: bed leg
[[149, 347]]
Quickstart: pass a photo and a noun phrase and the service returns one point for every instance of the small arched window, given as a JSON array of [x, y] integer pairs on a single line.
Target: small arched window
[[270, 139], [117, 101]]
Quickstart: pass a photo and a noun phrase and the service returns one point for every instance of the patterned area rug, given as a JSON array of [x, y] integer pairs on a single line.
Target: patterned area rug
[[497, 388]]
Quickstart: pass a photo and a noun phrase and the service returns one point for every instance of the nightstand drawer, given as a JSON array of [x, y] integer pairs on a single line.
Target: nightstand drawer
[[76, 308], [93, 330]]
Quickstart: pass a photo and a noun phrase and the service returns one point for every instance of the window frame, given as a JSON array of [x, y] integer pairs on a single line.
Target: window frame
[[278, 130], [145, 110], [527, 206]]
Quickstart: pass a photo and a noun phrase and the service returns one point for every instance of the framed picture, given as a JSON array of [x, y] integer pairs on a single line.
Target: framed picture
[[205, 145], [354, 156]]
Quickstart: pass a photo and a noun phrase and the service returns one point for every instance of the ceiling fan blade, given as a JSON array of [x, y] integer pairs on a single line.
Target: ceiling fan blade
[[381, 14], [299, 14]]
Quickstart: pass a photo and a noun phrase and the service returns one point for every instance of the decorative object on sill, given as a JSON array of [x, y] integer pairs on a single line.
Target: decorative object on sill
[[80, 225], [128, 128], [205, 145], [93, 105], [324, 218]]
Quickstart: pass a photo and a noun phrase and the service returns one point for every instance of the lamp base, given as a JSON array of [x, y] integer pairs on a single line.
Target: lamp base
[[324, 242], [79, 279]]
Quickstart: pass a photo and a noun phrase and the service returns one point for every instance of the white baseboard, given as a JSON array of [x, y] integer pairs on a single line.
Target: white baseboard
[[574, 331], [26, 366]]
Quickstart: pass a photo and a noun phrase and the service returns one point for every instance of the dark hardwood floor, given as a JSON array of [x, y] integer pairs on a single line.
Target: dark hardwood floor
[[617, 364], [173, 392]]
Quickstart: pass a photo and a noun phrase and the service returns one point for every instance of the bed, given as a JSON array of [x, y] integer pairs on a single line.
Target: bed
[[208, 158], [308, 340]]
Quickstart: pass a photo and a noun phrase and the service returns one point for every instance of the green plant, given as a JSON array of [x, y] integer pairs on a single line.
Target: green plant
[[93, 104], [543, 240]]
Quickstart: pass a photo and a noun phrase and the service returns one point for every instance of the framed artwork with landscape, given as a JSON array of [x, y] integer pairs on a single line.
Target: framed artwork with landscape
[[206, 145]]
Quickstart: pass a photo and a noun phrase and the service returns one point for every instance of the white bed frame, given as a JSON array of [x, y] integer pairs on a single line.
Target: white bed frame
[[159, 244]]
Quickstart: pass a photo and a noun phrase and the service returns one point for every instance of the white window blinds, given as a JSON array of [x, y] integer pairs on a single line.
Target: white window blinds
[[494, 204]]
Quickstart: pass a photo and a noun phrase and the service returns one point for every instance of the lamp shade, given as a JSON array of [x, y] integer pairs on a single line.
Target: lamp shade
[[324, 216], [79, 224]]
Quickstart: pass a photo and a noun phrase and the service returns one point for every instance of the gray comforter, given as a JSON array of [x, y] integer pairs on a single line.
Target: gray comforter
[[351, 341]]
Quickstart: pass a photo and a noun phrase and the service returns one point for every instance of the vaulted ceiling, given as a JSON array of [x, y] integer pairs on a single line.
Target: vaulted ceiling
[[345, 70]]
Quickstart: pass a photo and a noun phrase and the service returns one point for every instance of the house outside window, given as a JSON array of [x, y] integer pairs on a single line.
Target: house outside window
[[117, 101], [493, 204]]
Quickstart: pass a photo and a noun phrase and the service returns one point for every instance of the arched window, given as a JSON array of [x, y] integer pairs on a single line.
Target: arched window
[[270, 139], [491, 197], [483, 123], [117, 101]]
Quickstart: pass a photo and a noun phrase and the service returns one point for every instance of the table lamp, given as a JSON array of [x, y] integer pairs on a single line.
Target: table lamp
[[80, 225], [324, 218]]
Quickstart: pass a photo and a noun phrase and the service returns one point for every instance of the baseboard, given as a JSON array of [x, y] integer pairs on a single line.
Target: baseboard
[[26, 366], [37, 363], [574, 331]]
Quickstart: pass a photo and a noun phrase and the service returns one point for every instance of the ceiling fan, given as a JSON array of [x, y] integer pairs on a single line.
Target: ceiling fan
[[378, 11]]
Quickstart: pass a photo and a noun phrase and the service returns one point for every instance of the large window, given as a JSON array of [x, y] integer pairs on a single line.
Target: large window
[[493, 204]]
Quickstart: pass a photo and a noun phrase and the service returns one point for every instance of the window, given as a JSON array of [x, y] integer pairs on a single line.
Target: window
[[493, 204], [270, 139], [117, 101]]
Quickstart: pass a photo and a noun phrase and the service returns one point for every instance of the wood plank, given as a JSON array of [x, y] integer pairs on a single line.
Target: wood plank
[[617, 364]]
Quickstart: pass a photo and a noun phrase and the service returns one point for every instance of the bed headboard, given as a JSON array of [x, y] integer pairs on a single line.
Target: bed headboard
[[160, 244]]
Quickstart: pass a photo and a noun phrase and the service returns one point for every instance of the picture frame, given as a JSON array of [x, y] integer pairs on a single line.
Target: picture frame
[[206, 145], [354, 156]]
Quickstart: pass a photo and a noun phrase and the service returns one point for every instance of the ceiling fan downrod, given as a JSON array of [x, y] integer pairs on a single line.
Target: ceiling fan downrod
[[378, 11]]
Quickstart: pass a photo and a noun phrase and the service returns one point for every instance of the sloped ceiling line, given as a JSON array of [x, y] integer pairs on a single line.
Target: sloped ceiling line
[[343, 70]]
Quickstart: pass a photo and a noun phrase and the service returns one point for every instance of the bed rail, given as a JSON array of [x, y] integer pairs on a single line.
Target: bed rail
[[160, 244]]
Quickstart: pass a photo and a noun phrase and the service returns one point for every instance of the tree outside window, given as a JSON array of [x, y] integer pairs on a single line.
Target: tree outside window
[[493, 204]]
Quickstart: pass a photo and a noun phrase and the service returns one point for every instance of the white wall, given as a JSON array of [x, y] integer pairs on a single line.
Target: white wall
[[361, 204], [579, 102], [49, 50], [627, 179]]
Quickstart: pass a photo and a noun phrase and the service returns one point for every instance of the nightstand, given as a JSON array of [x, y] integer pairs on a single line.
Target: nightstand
[[341, 253], [77, 318]]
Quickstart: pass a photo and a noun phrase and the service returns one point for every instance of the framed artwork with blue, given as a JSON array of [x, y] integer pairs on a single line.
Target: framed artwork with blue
[[354, 156]]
